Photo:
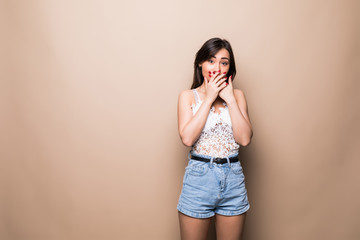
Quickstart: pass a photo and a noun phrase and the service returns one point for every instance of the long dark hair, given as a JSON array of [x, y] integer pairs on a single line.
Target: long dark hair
[[209, 49]]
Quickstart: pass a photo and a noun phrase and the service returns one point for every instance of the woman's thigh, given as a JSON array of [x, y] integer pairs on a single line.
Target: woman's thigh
[[229, 227], [193, 228]]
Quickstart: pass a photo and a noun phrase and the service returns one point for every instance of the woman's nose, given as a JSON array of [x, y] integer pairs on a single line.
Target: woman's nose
[[216, 68]]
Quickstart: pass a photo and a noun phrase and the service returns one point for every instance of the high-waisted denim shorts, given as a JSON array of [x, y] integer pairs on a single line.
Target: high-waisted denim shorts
[[210, 188]]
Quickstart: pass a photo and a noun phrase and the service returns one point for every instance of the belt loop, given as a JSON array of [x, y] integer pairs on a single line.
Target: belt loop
[[189, 156], [228, 161], [211, 161]]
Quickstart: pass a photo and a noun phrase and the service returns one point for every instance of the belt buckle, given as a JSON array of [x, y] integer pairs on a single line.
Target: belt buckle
[[217, 160]]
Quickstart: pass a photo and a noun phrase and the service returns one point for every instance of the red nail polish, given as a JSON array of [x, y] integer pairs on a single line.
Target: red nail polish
[[224, 72], [219, 71], [209, 75], [214, 72], [209, 72]]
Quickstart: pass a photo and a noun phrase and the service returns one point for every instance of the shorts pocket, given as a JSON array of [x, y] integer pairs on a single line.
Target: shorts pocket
[[237, 169], [197, 169]]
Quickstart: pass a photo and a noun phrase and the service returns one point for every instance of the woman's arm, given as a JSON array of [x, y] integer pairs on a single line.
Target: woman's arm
[[189, 125], [240, 120], [236, 102]]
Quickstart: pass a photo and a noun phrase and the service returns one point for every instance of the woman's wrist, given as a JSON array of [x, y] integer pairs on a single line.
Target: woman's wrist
[[231, 101], [208, 102]]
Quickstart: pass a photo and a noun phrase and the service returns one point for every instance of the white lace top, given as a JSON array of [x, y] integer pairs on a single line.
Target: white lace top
[[216, 139]]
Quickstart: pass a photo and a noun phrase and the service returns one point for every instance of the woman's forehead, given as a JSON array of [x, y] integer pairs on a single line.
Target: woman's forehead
[[222, 54]]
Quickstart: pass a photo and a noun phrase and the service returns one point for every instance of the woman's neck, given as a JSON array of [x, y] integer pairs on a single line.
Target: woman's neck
[[202, 87]]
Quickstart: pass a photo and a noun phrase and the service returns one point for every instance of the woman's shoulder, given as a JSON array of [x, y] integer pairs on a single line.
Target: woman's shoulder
[[238, 93], [240, 96], [186, 95], [186, 92]]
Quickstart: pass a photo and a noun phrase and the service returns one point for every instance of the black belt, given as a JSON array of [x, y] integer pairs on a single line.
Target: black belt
[[215, 160]]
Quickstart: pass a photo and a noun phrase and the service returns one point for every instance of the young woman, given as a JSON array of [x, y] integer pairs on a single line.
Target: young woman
[[213, 120]]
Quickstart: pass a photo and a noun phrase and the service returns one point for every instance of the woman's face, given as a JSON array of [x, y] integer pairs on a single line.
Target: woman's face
[[221, 61]]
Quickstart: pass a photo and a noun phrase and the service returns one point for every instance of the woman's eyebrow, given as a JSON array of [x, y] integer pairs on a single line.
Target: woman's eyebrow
[[221, 58]]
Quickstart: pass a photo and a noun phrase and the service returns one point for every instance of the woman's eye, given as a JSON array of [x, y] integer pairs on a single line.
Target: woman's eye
[[225, 63], [211, 61]]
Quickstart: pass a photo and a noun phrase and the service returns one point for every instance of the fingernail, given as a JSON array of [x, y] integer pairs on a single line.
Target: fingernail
[[209, 72], [227, 84], [231, 76], [214, 72], [224, 72], [209, 75]]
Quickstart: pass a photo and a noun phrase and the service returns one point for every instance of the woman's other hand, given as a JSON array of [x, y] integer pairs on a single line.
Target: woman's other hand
[[227, 93], [214, 85]]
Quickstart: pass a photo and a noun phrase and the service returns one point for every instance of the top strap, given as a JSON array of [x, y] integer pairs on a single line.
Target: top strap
[[196, 95]]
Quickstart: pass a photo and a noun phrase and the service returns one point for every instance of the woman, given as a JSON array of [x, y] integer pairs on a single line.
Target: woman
[[213, 120]]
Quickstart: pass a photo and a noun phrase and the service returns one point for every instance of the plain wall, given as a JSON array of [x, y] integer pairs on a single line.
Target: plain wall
[[88, 98]]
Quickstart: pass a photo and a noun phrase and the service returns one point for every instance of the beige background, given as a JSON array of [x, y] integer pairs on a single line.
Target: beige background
[[89, 142]]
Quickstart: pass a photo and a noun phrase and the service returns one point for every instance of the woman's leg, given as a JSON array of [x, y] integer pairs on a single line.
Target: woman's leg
[[193, 228], [229, 227]]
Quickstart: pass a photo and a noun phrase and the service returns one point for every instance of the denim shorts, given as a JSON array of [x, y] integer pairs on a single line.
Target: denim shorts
[[210, 188]]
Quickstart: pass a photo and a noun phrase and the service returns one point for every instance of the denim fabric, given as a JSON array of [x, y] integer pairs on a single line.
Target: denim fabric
[[210, 188]]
